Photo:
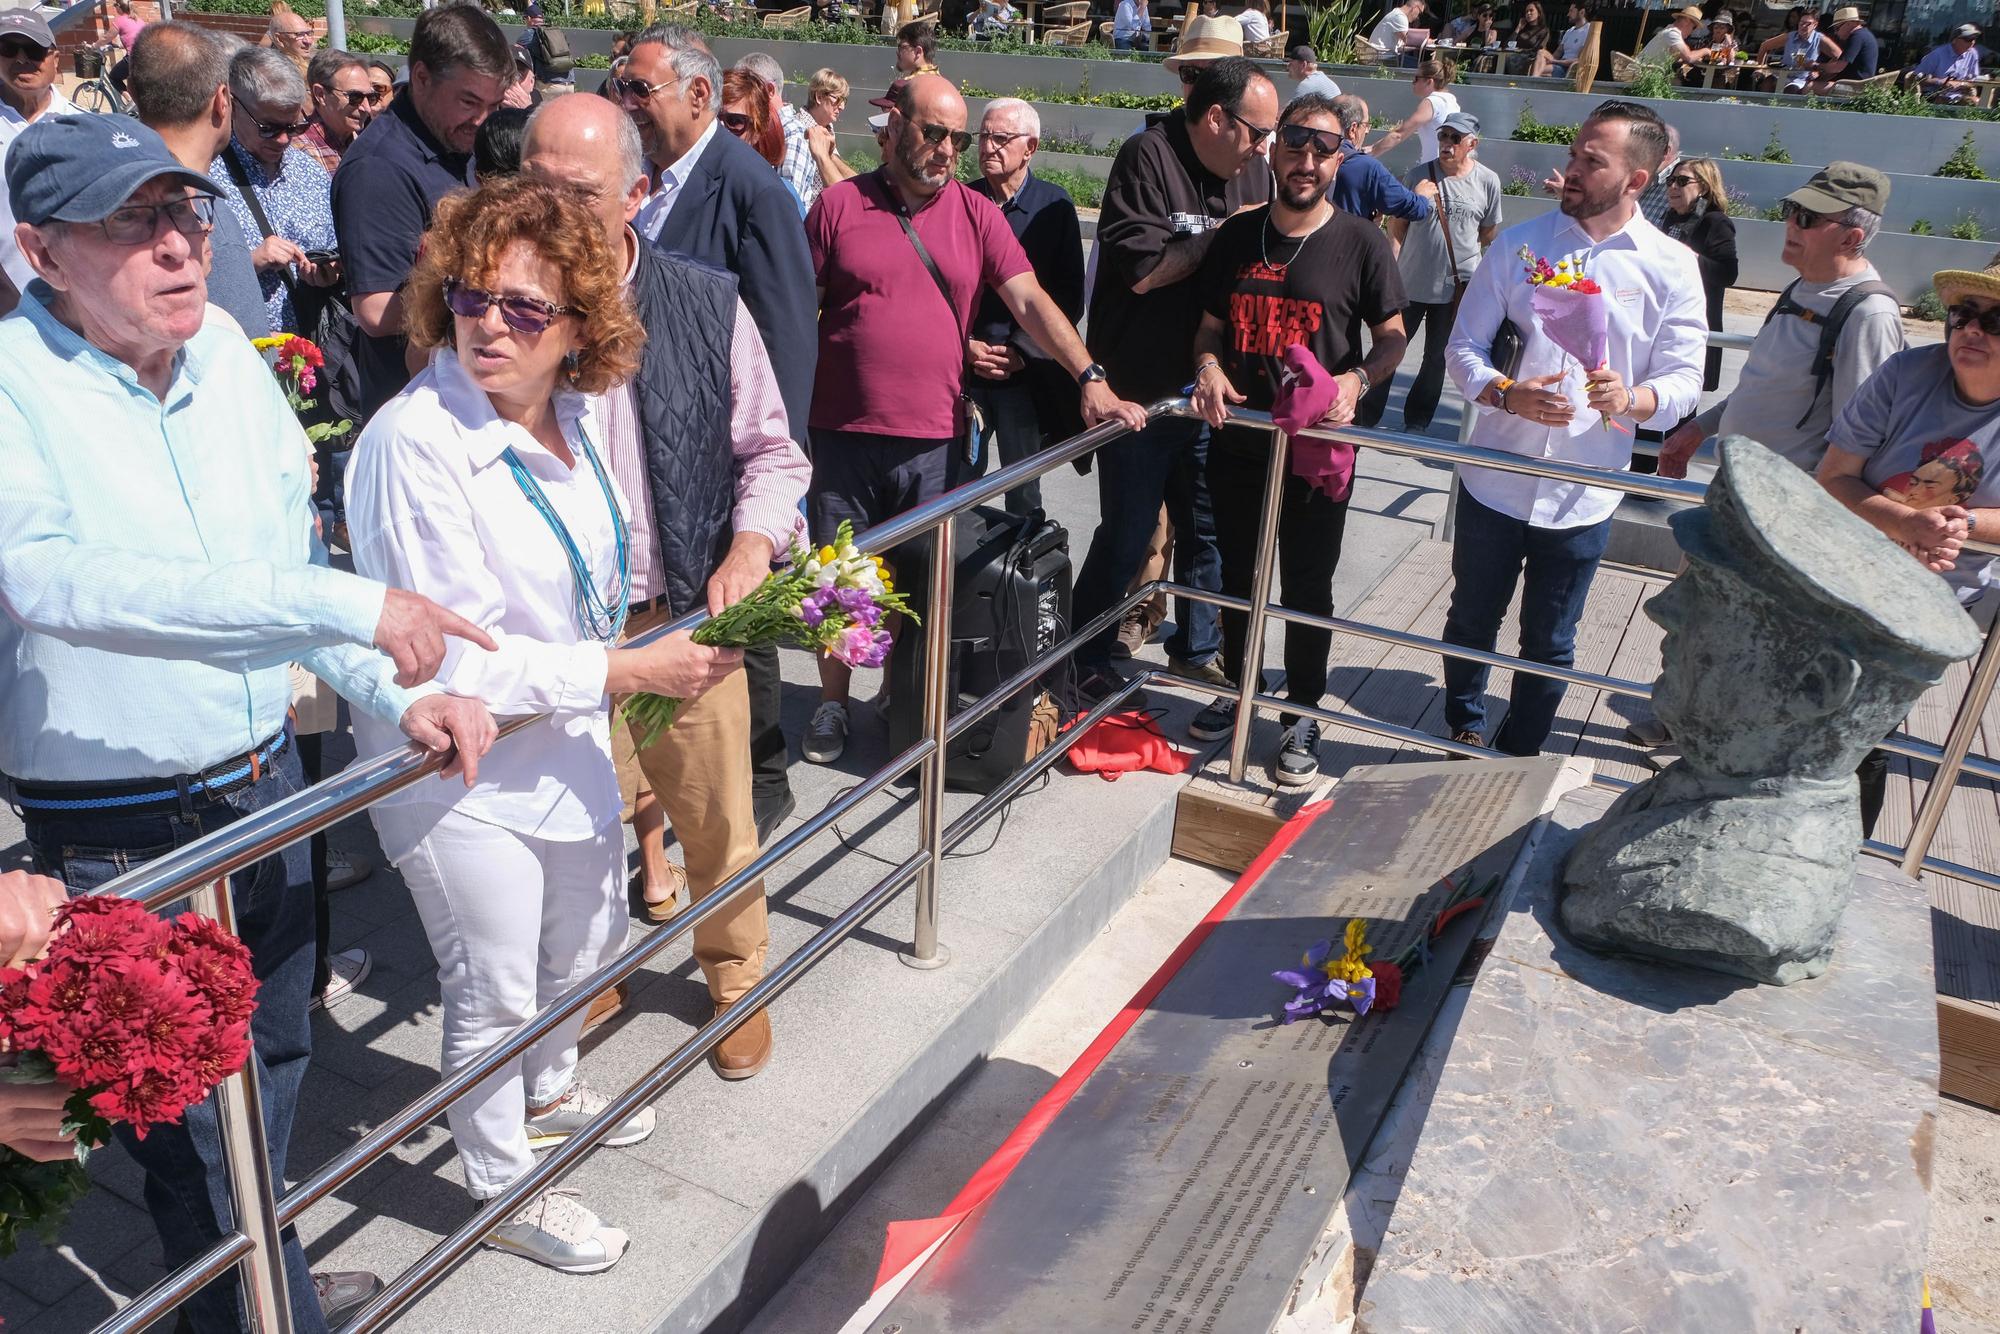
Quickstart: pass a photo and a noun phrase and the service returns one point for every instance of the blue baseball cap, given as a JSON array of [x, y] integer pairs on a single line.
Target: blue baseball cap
[[80, 168]]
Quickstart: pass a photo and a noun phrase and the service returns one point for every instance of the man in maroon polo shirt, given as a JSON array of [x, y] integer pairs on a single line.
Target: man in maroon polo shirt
[[902, 254]]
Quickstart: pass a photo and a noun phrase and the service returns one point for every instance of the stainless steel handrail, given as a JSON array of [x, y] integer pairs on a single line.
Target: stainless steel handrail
[[202, 867]]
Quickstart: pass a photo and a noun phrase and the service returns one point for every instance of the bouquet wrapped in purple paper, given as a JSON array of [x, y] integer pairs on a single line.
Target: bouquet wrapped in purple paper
[[834, 599]]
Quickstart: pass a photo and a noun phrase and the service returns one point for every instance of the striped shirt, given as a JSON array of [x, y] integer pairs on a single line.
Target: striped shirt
[[157, 562]]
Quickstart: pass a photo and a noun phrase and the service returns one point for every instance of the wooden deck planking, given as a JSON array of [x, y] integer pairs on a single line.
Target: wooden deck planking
[[1637, 659], [1607, 619]]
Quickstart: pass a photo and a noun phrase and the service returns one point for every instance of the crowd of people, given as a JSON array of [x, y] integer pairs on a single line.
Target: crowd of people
[[607, 359]]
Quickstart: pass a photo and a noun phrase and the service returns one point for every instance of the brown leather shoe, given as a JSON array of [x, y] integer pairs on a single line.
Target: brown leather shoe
[[605, 1006], [746, 1051]]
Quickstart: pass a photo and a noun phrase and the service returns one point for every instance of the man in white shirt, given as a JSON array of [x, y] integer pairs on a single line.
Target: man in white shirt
[[1388, 35], [1670, 44], [1656, 336], [28, 69], [1303, 65]]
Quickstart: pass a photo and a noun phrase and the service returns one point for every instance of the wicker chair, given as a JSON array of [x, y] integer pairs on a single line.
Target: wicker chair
[[1849, 87], [1075, 34], [788, 18], [1624, 68], [1271, 48]]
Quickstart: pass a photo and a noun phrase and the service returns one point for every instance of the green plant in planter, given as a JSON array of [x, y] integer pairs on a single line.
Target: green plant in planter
[[1653, 81], [1530, 130], [1927, 306], [1774, 213], [1520, 182], [1737, 203], [1963, 164], [1967, 228], [1921, 227], [1774, 150], [1330, 27]]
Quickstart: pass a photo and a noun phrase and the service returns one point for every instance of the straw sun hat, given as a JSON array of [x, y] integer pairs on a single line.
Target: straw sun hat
[[1954, 283], [1208, 39]]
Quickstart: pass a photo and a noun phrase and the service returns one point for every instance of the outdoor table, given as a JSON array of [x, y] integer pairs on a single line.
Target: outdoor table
[[1711, 71], [1478, 59]]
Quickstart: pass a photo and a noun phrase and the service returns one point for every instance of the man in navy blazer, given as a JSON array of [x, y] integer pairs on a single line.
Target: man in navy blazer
[[717, 201]]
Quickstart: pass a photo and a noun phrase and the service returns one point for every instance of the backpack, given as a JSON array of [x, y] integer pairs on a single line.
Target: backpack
[[1830, 326], [553, 45]]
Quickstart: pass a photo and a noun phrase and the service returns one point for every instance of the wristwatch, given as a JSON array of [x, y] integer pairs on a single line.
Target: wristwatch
[[1090, 374], [1362, 375]]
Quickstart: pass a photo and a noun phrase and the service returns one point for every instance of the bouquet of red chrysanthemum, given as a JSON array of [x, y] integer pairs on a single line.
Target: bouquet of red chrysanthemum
[[139, 1017], [296, 362]]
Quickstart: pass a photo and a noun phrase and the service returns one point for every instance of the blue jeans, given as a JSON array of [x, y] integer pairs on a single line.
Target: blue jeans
[[187, 1188], [1487, 559], [1009, 431], [1168, 461]]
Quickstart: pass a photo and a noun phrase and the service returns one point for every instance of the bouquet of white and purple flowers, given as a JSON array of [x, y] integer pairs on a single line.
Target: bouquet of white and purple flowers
[[834, 599]]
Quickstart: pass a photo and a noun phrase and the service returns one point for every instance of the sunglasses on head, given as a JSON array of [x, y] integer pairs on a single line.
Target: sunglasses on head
[[266, 130], [937, 134], [138, 224], [1258, 133], [524, 314], [734, 121], [1299, 138], [20, 48], [1964, 315]]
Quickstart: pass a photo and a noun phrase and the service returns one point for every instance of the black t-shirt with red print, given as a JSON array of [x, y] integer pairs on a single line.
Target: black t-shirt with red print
[[1271, 291]]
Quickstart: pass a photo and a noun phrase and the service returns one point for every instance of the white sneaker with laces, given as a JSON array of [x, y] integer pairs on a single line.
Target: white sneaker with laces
[[581, 1104], [345, 971], [826, 734], [554, 1229]]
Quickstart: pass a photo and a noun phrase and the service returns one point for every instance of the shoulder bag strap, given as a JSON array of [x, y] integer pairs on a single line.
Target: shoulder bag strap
[[1458, 284], [930, 265], [249, 193]]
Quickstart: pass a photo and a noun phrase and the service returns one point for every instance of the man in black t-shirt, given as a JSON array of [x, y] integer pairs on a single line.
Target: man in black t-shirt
[[1300, 271]]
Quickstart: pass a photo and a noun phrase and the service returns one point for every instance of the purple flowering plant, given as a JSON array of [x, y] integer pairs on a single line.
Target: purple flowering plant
[[834, 600]]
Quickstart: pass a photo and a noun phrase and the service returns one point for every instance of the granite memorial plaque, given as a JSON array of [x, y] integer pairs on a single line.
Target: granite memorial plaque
[[1185, 1186]]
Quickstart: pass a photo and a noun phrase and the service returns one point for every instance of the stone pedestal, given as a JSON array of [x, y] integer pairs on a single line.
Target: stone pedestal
[[1620, 1145]]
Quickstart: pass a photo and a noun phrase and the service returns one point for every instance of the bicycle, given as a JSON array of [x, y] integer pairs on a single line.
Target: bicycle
[[98, 94]]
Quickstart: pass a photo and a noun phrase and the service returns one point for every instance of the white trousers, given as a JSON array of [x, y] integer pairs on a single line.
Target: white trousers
[[514, 922]]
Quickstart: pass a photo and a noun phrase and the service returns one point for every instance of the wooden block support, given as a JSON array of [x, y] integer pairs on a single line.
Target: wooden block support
[[1969, 1050], [1225, 824]]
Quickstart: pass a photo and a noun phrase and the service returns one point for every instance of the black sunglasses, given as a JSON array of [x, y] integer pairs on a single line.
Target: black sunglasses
[[734, 121], [937, 134], [138, 224], [1964, 316], [1298, 138], [1680, 180], [266, 130], [19, 48], [356, 96], [1258, 133], [525, 314], [1190, 74], [1804, 217]]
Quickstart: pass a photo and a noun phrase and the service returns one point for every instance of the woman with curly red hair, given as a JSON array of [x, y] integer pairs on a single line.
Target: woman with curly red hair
[[480, 486]]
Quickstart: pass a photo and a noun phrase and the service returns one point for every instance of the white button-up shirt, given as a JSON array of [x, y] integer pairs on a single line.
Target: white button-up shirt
[[434, 508], [653, 213], [1658, 336]]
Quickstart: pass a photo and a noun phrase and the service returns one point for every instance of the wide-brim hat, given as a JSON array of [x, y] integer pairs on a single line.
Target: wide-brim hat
[[1953, 283], [1690, 13], [1966, 30], [1207, 39], [1722, 20], [1847, 15]]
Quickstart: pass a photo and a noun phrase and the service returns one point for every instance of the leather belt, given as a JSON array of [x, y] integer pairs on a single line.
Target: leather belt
[[143, 795]]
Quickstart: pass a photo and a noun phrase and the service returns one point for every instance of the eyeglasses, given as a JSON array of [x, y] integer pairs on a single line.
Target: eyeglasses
[[735, 121], [999, 138], [355, 97], [937, 134], [1804, 217], [1450, 137], [1680, 180], [1965, 315], [639, 90], [20, 48], [524, 314], [1299, 138], [138, 224], [266, 130], [1258, 133], [293, 34]]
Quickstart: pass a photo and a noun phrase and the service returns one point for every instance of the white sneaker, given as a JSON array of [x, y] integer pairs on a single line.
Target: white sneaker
[[578, 1106], [344, 870], [554, 1229], [345, 971], [826, 734]]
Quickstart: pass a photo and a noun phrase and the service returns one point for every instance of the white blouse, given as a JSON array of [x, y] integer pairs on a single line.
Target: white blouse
[[434, 508]]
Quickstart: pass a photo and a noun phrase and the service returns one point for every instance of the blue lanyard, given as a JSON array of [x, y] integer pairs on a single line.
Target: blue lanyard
[[595, 617]]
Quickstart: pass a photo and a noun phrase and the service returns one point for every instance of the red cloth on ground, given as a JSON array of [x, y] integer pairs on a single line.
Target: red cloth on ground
[[1125, 742]]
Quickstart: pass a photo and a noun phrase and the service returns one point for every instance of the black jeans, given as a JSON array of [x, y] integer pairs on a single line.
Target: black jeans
[[1420, 404], [1310, 525], [187, 1190]]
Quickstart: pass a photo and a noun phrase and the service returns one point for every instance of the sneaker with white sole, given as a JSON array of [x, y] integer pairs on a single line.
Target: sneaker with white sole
[[580, 1105], [554, 1229], [1298, 755], [826, 734], [344, 972], [344, 870], [1216, 721]]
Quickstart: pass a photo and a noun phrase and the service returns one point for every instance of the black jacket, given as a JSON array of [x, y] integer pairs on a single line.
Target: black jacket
[[734, 213]]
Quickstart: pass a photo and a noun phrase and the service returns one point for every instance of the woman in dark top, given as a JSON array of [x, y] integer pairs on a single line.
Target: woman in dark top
[[1698, 217], [1531, 36]]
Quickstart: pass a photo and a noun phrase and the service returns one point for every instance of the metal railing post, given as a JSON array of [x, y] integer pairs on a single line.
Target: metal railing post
[[253, 1196], [925, 951], [1260, 594], [1956, 743]]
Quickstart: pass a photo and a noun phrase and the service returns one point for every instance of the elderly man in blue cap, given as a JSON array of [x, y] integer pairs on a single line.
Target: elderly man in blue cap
[[159, 570]]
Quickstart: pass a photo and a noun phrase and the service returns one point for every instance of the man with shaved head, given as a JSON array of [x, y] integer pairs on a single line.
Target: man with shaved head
[[699, 442], [902, 254]]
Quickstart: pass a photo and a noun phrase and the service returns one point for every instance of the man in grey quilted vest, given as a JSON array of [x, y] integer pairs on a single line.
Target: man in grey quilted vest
[[700, 445]]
